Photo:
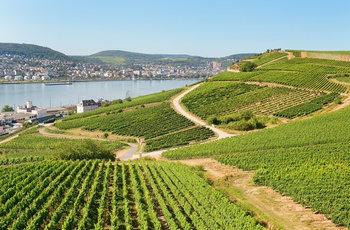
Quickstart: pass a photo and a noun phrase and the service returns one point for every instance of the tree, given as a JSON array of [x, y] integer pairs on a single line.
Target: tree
[[7, 108], [247, 67]]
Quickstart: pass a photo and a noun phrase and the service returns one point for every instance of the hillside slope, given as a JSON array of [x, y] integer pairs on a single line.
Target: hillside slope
[[307, 159], [29, 50], [125, 58]]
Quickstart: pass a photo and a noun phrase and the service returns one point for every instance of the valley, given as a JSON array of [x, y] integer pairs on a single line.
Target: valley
[[265, 149]]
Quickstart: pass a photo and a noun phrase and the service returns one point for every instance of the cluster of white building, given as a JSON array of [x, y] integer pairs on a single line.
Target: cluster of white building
[[27, 78], [13, 120]]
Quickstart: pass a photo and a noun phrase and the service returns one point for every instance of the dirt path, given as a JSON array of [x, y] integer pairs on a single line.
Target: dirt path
[[129, 153], [345, 103], [178, 108], [279, 211], [9, 138], [44, 133], [271, 61], [176, 102], [340, 82]]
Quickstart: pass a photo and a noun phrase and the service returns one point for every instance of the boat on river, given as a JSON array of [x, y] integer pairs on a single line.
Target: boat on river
[[58, 83]]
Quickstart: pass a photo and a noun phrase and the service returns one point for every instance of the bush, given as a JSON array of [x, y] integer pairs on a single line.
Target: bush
[[247, 67], [213, 120], [337, 100], [51, 120], [242, 121], [241, 125], [87, 149]]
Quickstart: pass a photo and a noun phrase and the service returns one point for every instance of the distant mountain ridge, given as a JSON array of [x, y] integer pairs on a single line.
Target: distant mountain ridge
[[117, 57], [122, 53], [125, 58], [30, 50]]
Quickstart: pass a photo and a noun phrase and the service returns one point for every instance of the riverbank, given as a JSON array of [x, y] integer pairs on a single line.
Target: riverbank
[[97, 80]]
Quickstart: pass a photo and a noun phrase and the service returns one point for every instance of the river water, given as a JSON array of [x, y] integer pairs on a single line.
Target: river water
[[59, 95]]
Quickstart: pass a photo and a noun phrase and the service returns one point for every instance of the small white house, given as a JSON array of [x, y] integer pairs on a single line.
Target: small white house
[[8, 77], [45, 78], [27, 77], [36, 78], [18, 78], [87, 105]]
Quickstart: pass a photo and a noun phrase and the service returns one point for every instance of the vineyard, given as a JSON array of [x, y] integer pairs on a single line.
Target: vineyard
[[298, 72], [100, 195], [265, 58], [309, 80], [180, 138], [223, 98], [322, 129], [308, 107], [122, 104], [159, 125], [232, 76], [307, 160], [316, 176]]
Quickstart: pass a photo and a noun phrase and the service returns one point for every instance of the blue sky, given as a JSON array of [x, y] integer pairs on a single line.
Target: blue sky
[[196, 27]]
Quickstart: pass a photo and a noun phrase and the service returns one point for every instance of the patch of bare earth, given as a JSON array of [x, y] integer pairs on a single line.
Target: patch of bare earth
[[276, 210], [290, 55]]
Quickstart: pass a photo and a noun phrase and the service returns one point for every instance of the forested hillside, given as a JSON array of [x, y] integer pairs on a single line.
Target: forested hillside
[[29, 50]]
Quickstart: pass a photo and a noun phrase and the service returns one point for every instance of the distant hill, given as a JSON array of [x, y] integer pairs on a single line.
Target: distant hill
[[29, 50], [124, 58], [117, 57]]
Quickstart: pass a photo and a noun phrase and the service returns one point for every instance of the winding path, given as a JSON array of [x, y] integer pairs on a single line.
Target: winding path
[[129, 153], [178, 108], [221, 134], [9, 138]]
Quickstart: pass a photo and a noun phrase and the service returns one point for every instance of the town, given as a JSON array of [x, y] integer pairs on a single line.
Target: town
[[17, 68]]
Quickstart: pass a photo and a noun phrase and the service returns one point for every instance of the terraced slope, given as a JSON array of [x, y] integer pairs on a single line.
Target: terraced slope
[[308, 160], [149, 118]]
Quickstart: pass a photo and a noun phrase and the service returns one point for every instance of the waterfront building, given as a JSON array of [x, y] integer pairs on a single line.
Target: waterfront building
[[87, 105], [32, 110]]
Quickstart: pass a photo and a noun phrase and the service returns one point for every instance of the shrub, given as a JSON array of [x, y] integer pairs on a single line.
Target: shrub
[[213, 120], [51, 120], [87, 149], [247, 67]]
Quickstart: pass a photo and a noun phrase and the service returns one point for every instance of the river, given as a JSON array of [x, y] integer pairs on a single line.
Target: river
[[59, 95]]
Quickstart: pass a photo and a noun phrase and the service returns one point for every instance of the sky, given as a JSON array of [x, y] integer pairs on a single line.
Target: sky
[[205, 28]]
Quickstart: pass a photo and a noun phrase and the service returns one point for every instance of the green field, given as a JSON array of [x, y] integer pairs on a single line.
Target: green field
[[344, 79], [308, 160], [31, 144], [114, 61], [310, 73], [100, 195], [143, 117], [119, 105], [221, 98], [265, 58]]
